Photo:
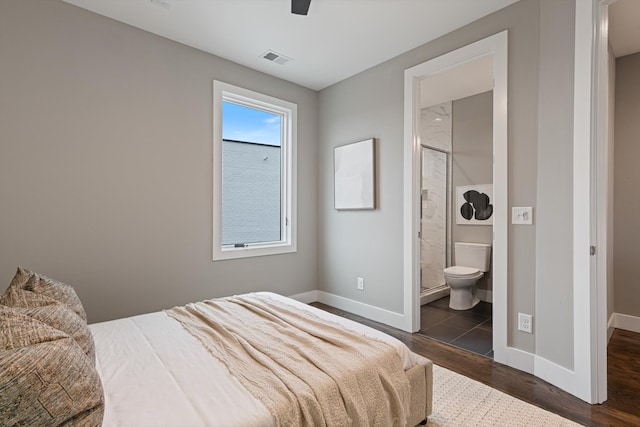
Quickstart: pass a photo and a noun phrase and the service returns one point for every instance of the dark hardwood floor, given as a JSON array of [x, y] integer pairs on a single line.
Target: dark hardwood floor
[[621, 409]]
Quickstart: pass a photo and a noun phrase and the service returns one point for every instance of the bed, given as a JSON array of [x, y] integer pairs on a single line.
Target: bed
[[178, 367]]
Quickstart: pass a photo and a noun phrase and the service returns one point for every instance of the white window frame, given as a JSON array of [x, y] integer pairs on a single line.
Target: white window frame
[[289, 113]]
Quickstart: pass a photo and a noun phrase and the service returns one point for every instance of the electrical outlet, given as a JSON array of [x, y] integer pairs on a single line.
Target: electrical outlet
[[361, 283], [525, 323]]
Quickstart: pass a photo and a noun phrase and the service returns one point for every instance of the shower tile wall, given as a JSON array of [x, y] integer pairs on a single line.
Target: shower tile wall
[[436, 133], [435, 126]]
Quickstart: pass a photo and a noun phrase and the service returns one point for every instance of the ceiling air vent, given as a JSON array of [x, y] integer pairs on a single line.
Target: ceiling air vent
[[275, 57], [162, 3]]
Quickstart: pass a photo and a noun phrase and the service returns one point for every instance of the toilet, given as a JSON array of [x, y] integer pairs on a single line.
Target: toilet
[[472, 260]]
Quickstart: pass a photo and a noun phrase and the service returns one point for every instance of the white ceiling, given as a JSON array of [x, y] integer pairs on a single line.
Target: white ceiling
[[337, 39], [469, 79], [624, 27]]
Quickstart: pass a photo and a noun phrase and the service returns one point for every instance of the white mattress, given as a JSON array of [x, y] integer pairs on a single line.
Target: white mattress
[[154, 373]]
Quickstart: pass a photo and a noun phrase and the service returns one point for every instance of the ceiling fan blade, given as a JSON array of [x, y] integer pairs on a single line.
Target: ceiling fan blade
[[300, 7]]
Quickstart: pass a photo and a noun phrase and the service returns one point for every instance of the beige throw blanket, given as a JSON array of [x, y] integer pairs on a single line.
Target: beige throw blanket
[[307, 371]]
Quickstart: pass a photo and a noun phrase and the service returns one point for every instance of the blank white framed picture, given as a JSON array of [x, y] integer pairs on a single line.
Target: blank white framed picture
[[354, 178]]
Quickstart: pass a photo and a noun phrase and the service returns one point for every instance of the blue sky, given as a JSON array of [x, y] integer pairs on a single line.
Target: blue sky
[[247, 124]]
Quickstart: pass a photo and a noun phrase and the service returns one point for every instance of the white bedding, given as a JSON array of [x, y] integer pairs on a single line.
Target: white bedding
[[154, 373]]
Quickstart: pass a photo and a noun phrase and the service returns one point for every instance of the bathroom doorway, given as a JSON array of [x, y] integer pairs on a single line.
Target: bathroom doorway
[[476, 69], [457, 150]]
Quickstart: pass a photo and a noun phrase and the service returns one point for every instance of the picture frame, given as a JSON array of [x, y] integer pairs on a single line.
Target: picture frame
[[474, 204], [354, 175]]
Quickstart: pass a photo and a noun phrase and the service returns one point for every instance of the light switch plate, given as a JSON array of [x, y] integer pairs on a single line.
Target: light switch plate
[[522, 215]]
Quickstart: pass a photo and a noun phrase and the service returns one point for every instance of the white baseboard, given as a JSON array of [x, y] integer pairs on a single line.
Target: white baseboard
[[533, 364], [610, 327], [555, 374], [485, 295], [520, 359], [626, 322], [356, 307], [361, 309], [434, 295], [306, 297], [371, 312]]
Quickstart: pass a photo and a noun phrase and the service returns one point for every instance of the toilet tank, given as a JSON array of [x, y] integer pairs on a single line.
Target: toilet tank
[[476, 255]]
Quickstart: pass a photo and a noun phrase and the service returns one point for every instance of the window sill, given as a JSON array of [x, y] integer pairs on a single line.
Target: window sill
[[221, 254]]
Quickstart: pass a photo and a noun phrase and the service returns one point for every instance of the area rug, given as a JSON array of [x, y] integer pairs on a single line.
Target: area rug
[[460, 401]]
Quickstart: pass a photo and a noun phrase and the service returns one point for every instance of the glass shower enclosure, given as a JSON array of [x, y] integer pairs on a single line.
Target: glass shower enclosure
[[434, 223]]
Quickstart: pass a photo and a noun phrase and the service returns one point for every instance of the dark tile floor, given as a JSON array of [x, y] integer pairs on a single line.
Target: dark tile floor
[[468, 329]]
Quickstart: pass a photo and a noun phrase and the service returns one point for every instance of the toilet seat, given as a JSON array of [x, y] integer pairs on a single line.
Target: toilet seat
[[459, 271]]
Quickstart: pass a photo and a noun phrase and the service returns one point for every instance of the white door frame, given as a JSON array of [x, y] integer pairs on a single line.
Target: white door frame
[[496, 45], [590, 200]]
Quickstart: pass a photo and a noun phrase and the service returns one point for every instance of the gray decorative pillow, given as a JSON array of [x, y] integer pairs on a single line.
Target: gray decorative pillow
[[25, 279], [53, 313], [45, 377]]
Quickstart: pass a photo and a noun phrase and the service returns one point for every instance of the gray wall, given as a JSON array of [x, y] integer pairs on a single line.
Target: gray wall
[[106, 164], [106, 176], [370, 104], [553, 321], [472, 134], [627, 176]]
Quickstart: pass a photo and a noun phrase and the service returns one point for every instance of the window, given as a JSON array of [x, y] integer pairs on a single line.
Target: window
[[254, 141]]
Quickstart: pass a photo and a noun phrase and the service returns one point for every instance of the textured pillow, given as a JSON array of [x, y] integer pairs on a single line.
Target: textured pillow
[[45, 377], [20, 278], [25, 279], [53, 313]]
